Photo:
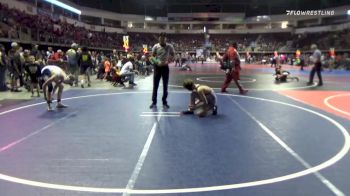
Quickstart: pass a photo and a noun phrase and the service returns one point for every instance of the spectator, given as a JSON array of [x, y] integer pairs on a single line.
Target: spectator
[[3, 67]]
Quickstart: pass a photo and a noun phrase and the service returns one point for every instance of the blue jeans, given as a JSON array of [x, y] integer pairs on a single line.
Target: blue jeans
[[130, 75]]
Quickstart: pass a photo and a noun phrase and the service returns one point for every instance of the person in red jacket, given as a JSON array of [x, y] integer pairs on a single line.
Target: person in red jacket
[[234, 72], [57, 56]]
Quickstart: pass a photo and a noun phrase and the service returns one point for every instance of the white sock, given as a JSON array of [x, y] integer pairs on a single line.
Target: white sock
[[82, 81]]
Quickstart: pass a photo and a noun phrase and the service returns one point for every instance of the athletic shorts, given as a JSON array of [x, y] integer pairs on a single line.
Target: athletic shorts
[[72, 68], [84, 69], [34, 78]]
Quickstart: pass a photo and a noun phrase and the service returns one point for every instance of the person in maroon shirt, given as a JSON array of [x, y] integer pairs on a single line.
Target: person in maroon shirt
[[234, 72]]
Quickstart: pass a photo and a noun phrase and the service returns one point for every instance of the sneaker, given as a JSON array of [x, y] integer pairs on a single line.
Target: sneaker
[[153, 105], [89, 85], [243, 92], [82, 86], [49, 108], [215, 110], [310, 83], [224, 91], [187, 112], [166, 106], [60, 105], [320, 84], [133, 84]]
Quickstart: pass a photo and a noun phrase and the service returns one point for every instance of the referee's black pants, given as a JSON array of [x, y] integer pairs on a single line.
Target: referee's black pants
[[316, 69], [160, 72]]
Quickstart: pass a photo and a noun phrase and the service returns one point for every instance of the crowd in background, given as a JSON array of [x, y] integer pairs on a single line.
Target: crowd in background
[[16, 65], [45, 28]]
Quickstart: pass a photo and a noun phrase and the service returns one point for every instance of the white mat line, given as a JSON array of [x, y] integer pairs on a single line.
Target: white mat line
[[318, 175], [4, 148], [139, 164], [160, 115], [161, 112]]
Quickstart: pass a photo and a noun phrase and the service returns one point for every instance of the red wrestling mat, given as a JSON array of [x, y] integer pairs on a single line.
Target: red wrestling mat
[[336, 102]]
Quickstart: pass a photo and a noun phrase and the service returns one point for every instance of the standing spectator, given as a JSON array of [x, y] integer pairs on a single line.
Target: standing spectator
[[107, 67], [3, 67], [115, 55], [73, 62], [94, 61], [49, 53], [57, 56], [331, 60], [35, 52], [302, 62], [163, 53], [15, 66], [177, 60], [316, 58], [85, 64]]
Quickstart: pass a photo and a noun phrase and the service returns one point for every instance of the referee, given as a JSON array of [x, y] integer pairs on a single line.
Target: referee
[[162, 54], [316, 57]]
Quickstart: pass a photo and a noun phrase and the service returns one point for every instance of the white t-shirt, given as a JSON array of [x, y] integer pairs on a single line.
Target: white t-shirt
[[119, 64], [127, 67]]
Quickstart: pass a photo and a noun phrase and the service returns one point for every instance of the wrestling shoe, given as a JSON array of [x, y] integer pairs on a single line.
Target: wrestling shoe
[[49, 108], [243, 92], [187, 112], [153, 105], [215, 110], [60, 106], [166, 106]]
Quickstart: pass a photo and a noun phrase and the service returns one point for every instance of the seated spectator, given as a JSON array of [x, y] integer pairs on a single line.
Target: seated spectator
[[127, 70]]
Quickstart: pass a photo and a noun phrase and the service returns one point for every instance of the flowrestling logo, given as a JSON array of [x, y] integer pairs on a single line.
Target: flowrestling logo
[[310, 12]]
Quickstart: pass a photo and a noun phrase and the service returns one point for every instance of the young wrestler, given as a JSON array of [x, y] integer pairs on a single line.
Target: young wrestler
[[203, 99], [233, 73], [282, 75], [54, 74], [32, 68]]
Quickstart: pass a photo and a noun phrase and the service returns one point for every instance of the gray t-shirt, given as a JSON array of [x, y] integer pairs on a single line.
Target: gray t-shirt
[[72, 57], [163, 53], [317, 56]]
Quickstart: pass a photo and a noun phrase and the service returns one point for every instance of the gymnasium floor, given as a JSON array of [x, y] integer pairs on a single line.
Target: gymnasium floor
[[279, 139]]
